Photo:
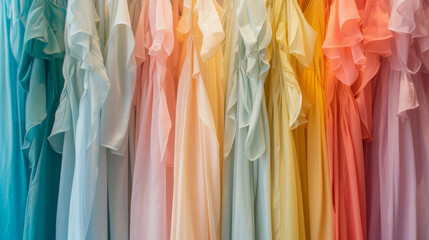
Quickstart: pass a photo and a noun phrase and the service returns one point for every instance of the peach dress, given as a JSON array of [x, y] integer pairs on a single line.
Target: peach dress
[[199, 123]]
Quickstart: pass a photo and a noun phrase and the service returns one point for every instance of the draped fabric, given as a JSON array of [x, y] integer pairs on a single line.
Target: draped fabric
[[199, 123], [396, 160], [41, 78], [14, 173], [77, 126], [214, 119], [246, 166]]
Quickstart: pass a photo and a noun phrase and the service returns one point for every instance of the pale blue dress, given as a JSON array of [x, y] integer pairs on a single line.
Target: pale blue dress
[[82, 208], [246, 174], [13, 168]]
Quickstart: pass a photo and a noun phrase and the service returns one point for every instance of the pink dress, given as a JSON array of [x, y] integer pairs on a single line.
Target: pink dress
[[397, 161], [155, 99]]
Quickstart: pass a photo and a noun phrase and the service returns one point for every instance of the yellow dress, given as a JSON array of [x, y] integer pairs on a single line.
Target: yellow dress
[[292, 42], [310, 138]]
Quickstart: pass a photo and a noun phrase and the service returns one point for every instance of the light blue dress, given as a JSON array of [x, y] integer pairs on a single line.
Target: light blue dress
[[41, 78], [82, 204], [246, 174], [13, 168]]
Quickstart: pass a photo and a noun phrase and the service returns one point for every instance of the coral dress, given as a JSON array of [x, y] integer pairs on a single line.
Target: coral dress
[[199, 124], [353, 46]]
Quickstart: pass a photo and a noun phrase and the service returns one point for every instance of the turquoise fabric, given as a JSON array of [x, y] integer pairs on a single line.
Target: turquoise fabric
[[246, 200], [41, 78], [13, 168]]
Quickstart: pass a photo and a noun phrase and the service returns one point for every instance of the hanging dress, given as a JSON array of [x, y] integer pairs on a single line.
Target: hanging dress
[[346, 58], [354, 44], [42, 80], [13, 167], [153, 172], [82, 212], [311, 137], [293, 44], [246, 167], [199, 124], [397, 169], [115, 114], [143, 41]]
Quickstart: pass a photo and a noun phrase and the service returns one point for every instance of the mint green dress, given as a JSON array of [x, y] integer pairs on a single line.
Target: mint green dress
[[246, 173]]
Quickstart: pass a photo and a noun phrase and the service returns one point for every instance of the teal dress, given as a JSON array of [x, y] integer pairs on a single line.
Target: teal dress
[[41, 78], [13, 168], [246, 174]]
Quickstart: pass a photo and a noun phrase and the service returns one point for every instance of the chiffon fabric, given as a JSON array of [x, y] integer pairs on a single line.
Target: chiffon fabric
[[199, 123], [292, 46], [13, 166], [82, 212], [397, 159], [41, 78], [246, 175], [311, 137], [120, 68], [353, 45], [153, 173]]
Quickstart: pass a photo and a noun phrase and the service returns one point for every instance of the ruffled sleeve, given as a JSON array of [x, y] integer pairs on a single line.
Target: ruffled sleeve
[[83, 51], [255, 32], [209, 15], [45, 36], [404, 57], [376, 43], [44, 39], [343, 41]]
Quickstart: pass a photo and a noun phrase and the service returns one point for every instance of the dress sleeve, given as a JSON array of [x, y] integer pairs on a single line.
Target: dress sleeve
[[43, 40], [209, 15], [343, 41], [120, 67]]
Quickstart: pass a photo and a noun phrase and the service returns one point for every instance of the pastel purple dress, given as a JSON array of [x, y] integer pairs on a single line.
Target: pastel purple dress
[[397, 166]]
